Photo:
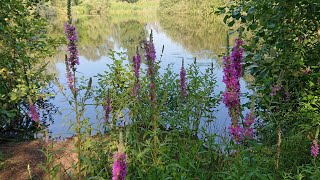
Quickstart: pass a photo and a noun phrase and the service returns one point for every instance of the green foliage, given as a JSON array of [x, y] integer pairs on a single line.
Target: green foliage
[[130, 1], [194, 7], [23, 47], [282, 45], [93, 6]]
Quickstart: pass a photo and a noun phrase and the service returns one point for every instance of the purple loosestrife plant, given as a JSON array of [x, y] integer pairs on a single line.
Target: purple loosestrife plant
[[119, 168], [275, 89], [232, 73], [107, 108], [183, 87], [315, 148], [236, 58], [248, 132], [33, 112], [231, 96], [236, 133], [73, 56], [136, 61], [150, 57]]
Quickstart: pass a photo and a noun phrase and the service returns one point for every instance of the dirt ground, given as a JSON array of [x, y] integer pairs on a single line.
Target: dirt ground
[[18, 155]]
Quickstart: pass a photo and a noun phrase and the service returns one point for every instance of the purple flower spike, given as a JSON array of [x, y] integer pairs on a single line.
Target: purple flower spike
[[315, 148], [72, 39], [136, 61], [183, 81], [275, 88], [150, 57], [236, 133], [107, 108], [232, 74], [136, 64], [33, 112], [247, 124], [236, 57], [73, 57], [119, 169]]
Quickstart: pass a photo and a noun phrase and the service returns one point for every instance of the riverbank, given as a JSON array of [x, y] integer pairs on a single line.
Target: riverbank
[[27, 160]]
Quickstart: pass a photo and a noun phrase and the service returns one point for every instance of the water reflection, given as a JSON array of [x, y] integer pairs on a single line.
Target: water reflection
[[183, 37], [128, 34], [203, 37]]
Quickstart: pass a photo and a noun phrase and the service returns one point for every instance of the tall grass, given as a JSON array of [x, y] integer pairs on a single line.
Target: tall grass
[[194, 7]]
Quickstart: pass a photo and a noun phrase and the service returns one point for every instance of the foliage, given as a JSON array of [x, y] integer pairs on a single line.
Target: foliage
[[129, 1], [23, 46], [282, 45], [194, 7]]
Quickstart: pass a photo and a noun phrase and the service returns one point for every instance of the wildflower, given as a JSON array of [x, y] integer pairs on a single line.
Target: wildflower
[[236, 58], [236, 133], [231, 77], [247, 126], [150, 57], [183, 81], [136, 67], [33, 112], [136, 64], [72, 39], [275, 88], [315, 148], [119, 169], [73, 57], [107, 108], [70, 79]]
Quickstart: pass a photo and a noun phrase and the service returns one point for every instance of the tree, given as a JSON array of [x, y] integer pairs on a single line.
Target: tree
[[23, 47]]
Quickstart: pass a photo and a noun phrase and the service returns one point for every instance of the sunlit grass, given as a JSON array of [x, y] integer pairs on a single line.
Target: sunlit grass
[[142, 6]]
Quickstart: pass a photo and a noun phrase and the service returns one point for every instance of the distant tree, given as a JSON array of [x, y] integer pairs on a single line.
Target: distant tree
[[130, 1]]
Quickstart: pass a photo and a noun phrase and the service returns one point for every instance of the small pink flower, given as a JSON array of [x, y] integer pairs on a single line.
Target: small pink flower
[[183, 87], [33, 112], [236, 133], [119, 168], [248, 132], [315, 148], [107, 108]]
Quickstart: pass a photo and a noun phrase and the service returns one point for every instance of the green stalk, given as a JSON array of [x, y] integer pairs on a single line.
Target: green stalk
[[78, 128]]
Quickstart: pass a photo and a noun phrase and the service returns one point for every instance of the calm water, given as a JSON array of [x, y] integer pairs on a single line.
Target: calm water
[[182, 38]]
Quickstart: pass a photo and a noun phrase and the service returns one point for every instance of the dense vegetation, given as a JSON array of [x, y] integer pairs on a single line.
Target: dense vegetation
[[157, 125], [191, 7], [23, 45]]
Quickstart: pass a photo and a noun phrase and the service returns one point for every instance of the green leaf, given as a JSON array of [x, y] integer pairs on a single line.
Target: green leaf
[[230, 24]]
